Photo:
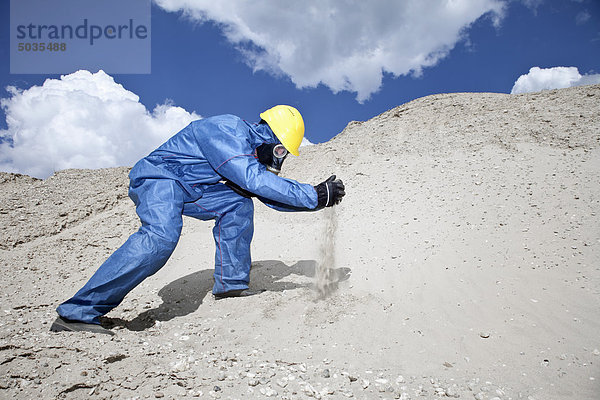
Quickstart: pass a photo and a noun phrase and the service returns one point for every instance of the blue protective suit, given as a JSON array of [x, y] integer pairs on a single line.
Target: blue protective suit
[[184, 177]]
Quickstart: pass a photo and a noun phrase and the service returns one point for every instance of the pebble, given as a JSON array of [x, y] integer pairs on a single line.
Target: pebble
[[452, 392], [268, 392], [282, 382], [327, 391], [310, 391], [159, 395]]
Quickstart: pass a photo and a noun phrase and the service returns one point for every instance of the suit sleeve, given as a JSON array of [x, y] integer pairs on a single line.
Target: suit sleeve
[[232, 157], [283, 207]]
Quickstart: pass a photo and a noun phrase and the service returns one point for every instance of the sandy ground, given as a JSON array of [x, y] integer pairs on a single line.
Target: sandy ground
[[465, 263]]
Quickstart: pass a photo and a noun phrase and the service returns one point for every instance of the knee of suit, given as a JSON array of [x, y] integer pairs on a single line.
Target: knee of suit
[[168, 246], [164, 240]]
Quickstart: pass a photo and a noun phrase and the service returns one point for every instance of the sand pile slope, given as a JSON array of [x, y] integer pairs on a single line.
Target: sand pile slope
[[467, 258]]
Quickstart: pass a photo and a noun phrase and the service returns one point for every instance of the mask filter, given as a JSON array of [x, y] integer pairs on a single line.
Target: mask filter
[[272, 156]]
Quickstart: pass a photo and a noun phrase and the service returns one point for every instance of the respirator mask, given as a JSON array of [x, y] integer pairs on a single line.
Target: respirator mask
[[271, 155]]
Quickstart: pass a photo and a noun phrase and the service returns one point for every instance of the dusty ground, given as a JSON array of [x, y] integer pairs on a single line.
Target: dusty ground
[[467, 264]]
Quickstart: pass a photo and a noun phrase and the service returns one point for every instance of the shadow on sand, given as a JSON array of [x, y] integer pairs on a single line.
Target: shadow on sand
[[183, 296]]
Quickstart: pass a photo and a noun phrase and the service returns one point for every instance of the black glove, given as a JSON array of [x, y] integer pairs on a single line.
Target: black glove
[[330, 192]]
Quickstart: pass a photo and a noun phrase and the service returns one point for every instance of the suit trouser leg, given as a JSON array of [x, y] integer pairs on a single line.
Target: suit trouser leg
[[159, 204], [233, 231]]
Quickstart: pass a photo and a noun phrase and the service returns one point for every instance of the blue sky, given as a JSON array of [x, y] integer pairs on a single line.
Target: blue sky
[[196, 67]]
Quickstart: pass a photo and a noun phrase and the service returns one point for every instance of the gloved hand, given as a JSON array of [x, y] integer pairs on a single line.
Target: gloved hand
[[330, 192]]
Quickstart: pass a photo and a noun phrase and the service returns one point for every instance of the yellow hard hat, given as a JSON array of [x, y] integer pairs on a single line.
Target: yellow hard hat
[[287, 124]]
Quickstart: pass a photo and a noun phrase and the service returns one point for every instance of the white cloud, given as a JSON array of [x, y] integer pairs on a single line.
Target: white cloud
[[346, 46], [305, 142], [552, 78], [81, 120], [532, 4], [582, 17]]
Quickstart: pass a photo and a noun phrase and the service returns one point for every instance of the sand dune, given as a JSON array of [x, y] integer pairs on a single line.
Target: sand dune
[[466, 265]]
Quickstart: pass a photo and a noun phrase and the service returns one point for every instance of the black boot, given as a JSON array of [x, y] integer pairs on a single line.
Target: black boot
[[238, 293], [62, 324]]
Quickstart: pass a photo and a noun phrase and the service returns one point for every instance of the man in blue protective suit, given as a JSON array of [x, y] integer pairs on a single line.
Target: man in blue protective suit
[[209, 170]]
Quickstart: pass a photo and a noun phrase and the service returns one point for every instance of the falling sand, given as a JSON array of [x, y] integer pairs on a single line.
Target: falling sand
[[325, 281]]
